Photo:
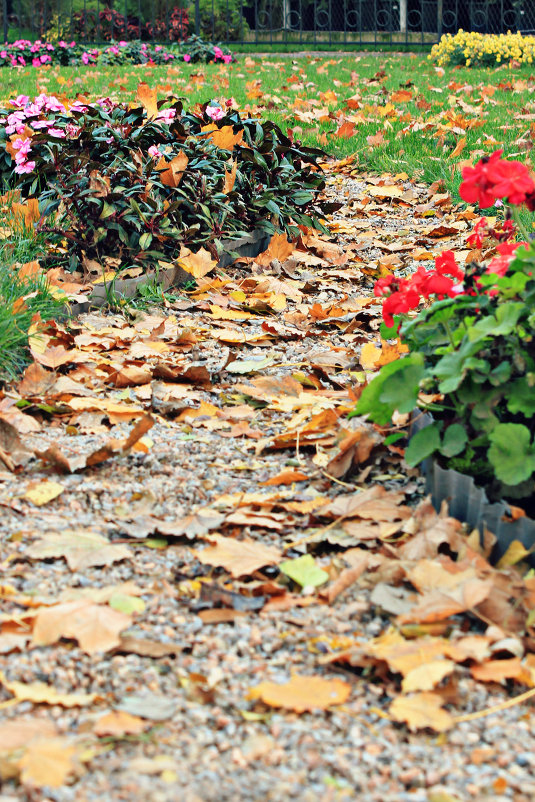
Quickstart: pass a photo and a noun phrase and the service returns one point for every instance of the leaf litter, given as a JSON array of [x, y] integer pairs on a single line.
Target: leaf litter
[[255, 503]]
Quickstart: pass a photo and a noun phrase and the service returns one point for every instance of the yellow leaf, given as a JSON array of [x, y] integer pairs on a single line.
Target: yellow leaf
[[41, 693], [196, 264], [43, 492], [119, 723], [302, 693], [425, 677], [514, 554], [47, 761], [421, 710], [96, 627]]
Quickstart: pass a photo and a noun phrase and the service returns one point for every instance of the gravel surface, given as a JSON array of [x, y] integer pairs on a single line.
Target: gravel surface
[[212, 742]]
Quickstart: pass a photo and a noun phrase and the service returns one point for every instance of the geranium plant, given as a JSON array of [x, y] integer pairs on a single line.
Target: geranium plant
[[470, 335]]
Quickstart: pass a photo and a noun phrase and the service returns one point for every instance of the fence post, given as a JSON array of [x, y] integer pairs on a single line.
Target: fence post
[[197, 18], [4, 14]]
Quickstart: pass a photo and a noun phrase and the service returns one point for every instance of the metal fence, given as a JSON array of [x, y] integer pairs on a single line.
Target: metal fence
[[287, 22]]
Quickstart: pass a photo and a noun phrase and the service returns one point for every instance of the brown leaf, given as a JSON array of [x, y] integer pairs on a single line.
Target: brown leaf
[[196, 264], [12, 450], [498, 670], [238, 557], [147, 648], [36, 381], [96, 627], [302, 693], [421, 711], [426, 676], [47, 762], [99, 184]]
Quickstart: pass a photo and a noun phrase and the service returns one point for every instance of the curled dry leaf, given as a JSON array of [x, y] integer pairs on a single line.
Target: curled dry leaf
[[118, 723], [19, 732], [302, 693]]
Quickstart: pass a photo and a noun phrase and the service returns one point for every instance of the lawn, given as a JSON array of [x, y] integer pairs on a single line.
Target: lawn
[[395, 112]]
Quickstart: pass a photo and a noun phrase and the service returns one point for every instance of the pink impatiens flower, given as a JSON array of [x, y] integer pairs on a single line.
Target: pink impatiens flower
[[187, 57], [215, 112]]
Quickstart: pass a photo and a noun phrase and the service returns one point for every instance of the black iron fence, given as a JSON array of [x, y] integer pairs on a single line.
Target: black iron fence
[[303, 22]]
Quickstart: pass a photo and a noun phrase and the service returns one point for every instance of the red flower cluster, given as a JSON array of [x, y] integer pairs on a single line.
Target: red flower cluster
[[503, 231], [500, 264], [494, 177], [406, 293]]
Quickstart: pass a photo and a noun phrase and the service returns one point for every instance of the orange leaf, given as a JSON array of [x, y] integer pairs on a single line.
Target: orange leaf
[[29, 269], [196, 264], [172, 172], [27, 212], [119, 723], [302, 693], [47, 761], [459, 147], [498, 670], [279, 248], [148, 99], [401, 96], [230, 178], [285, 478], [224, 137]]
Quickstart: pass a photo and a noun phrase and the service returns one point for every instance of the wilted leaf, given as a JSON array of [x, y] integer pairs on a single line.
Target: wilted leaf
[[172, 172], [148, 705], [302, 693], [148, 99]]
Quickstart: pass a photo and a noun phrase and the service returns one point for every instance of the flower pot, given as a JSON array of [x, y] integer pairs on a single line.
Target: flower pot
[[469, 503]]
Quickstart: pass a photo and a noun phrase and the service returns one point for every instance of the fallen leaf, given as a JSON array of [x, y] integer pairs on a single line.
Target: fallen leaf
[[302, 693], [304, 571], [41, 693], [420, 711], [19, 732], [238, 557], [80, 548], [285, 478], [148, 99], [118, 723], [43, 492], [96, 627], [148, 705], [47, 762]]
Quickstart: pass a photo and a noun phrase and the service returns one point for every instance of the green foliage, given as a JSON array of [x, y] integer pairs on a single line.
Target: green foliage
[[221, 19], [477, 360]]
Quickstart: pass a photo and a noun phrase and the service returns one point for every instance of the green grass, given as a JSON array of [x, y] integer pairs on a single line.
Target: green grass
[[423, 153]]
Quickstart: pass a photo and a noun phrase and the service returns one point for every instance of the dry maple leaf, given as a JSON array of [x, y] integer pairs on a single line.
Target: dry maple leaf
[[420, 711], [171, 172], [47, 762], [302, 693], [196, 264], [238, 557], [279, 248], [96, 627]]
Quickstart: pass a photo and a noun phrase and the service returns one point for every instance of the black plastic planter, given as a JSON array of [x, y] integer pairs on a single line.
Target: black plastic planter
[[469, 503]]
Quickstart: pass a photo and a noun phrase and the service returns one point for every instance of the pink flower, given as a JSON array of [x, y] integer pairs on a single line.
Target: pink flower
[[227, 58], [154, 152], [22, 61], [215, 112], [57, 132], [28, 167], [20, 100], [3, 53], [85, 58], [187, 57], [36, 62], [166, 116]]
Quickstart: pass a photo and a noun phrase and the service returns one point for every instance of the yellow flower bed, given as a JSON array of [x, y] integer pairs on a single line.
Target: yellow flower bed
[[483, 49]]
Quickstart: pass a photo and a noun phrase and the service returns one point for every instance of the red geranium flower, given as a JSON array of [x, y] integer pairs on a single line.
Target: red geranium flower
[[511, 180], [477, 185]]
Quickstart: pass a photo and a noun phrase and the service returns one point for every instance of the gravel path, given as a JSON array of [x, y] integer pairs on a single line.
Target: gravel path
[[202, 738]]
